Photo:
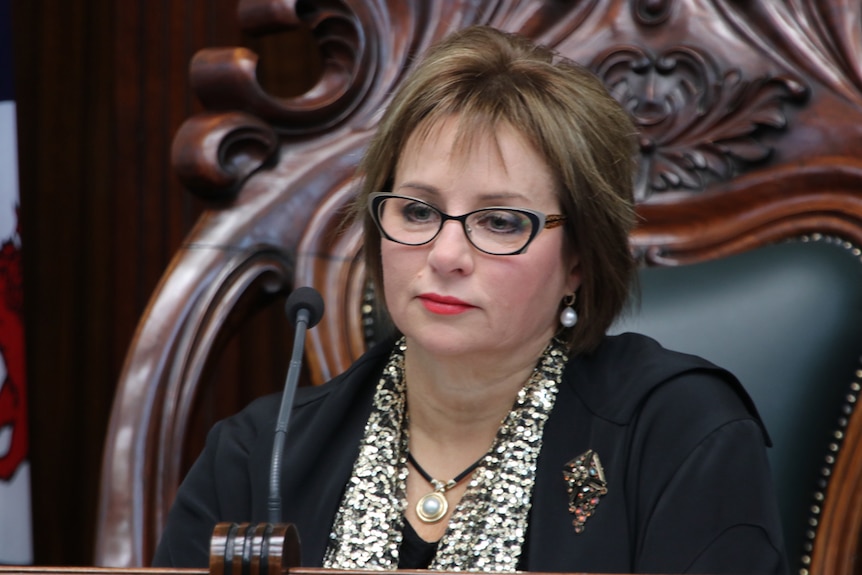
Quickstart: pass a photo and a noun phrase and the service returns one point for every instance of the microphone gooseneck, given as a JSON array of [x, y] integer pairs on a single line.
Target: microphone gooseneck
[[304, 308]]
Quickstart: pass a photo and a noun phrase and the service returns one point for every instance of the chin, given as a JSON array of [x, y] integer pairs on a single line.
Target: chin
[[442, 342]]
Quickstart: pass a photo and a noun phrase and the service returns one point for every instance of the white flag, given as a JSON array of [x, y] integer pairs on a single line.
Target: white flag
[[16, 540]]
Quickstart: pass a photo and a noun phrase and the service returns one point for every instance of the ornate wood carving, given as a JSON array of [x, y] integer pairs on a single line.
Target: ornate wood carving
[[214, 153], [697, 122]]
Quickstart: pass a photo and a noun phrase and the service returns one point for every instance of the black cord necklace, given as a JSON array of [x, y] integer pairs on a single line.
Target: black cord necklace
[[433, 506]]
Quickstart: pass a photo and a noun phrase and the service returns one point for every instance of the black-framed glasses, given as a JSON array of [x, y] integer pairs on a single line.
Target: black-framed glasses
[[499, 231]]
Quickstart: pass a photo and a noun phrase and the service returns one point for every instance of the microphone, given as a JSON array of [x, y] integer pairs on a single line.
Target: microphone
[[304, 308]]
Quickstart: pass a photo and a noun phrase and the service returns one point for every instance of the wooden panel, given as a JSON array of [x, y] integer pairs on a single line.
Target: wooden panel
[[72, 570], [62, 74], [102, 86]]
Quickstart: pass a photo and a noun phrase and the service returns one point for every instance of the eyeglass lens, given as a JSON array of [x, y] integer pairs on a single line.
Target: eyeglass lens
[[492, 230]]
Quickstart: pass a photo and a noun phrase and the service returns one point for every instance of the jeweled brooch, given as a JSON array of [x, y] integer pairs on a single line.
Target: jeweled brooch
[[586, 483]]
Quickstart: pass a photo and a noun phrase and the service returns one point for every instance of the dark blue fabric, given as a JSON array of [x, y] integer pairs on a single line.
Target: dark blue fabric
[[5, 51]]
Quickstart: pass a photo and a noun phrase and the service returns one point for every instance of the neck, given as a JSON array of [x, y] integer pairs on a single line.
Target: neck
[[457, 404]]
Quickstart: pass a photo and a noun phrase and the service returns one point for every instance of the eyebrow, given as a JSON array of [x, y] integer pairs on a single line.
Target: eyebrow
[[487, 196]]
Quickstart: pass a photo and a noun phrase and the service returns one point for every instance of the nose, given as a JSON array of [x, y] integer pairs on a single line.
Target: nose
[[451, 251]]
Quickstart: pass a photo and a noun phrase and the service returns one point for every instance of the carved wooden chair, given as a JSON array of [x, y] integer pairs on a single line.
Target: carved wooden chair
[[749, 193]]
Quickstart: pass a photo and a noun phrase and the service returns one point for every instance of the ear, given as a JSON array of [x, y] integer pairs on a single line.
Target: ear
[[574, 277]]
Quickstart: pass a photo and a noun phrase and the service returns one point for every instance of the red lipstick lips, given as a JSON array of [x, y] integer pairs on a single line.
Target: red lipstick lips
[[444, 305]]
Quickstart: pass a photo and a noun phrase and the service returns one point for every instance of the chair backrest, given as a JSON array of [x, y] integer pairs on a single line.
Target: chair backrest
[[749, 114], [785, 319]]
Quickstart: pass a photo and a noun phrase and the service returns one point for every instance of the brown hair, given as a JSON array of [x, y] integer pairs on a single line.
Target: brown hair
[[486, 78]]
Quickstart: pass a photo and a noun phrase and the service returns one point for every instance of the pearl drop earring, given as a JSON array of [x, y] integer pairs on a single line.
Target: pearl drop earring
[[569, 317]]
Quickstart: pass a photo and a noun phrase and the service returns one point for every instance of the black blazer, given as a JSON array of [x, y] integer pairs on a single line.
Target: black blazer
[[682, 446]]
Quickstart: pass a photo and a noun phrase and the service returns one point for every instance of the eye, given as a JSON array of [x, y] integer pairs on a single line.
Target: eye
[[501, 222], [419, 213]]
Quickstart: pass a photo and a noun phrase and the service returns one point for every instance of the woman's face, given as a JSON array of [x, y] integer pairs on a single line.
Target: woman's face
[[448, 297]]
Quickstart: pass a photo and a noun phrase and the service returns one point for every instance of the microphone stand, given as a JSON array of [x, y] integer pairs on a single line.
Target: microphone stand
[[270, 548], [274, 500]]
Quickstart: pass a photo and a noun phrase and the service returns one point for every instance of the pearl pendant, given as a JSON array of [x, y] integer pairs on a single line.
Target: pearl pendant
[[568, 317], [432, 507]]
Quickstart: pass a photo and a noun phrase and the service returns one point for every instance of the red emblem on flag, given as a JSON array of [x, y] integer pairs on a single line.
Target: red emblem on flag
[[13, 397]]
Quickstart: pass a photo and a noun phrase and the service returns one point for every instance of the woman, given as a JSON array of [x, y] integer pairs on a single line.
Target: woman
[[500, 428]]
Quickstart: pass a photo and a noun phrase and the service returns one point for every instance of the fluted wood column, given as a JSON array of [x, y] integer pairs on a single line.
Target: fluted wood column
[[102, 86]]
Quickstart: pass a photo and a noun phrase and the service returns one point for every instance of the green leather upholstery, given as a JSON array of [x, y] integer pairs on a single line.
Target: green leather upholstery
[[787, 320]]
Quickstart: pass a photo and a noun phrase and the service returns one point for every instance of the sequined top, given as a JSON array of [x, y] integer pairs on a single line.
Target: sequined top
[[487, 529]]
